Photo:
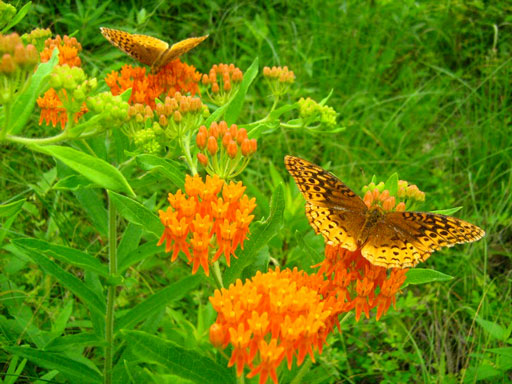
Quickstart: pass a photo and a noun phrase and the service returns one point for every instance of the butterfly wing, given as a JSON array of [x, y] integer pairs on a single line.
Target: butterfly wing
[[403, 239], [176, 50], [145, 49], [333, 210]]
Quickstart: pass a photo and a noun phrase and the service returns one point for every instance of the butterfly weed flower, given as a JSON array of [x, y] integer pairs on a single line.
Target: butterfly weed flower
[[224, 151], [68, 47], [173, 77], [64, 102], [17, 63], [278, 79], [211, 219], [37, 37], [367, 238], [170, 121], [222, 82], [281, 315]]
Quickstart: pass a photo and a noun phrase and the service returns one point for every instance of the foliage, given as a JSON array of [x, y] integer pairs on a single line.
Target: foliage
[[418, 89]]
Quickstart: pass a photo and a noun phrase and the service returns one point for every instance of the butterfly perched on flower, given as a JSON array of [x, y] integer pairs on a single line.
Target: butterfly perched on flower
[[388, 239], [150, 50]]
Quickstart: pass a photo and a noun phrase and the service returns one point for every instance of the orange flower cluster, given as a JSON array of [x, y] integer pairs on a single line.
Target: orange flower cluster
[[68, 50], [204, 220], [173, 77], [356, 281], [52, 108], [225, 145], [53, 111], [273, 316], [225, 75], [282, 74], [15, 55]]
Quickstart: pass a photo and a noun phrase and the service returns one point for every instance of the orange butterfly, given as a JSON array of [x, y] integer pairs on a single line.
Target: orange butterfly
[[150, 50], [386, 239]]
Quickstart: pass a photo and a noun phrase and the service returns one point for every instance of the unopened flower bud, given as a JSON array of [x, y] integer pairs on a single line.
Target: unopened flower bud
[[202, 159], [232, 149], [201, 140], [212, 145]]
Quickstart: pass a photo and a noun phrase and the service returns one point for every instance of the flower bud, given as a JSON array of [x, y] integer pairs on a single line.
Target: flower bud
[[241, 135], [177, 116], [217, 335], [202, 159], [226, 139], [246, 147], [212, 145], [201, 140], [232, 149]]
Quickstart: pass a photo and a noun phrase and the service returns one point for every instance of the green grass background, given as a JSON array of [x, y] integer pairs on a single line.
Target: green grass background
[[423, 89]]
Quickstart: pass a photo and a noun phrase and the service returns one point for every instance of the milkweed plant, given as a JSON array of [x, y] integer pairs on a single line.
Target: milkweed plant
[[174, 277]]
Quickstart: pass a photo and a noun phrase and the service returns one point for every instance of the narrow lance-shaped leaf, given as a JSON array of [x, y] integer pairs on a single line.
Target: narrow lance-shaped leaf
[[77, 372], [153, 303], [65, 254], [136, 213], [166, 168], [93, 168], [71, 282], [422, 276], [189, 364], [22, 107]]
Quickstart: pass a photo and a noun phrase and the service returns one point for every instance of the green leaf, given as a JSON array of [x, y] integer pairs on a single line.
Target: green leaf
[[69, 281], [154, 302], [189, 364], [492, 328], [260, 235], [391, 184], [93, 168], [136, 213], [24, 104], [449, 211], [75, 182], [65, 254], [84, 339], [18, 17], [235, 105], [417, 276], [169, 169], [92, 203], [11, 209], [326, 99], [144, 251], [75, 371]]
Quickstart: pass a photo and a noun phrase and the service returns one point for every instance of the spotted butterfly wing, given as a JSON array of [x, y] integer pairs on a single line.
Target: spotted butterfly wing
[[149, 50], [388, 239], [403, 239], [333, 210]]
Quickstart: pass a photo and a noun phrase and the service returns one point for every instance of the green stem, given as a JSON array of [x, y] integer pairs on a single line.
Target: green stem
[[47, 140], [109, 318], [217, 276], [306, 367], [7, 109], [184, 142]]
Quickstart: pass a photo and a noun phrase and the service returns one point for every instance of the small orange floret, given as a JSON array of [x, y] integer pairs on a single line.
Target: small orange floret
[[68, 48]]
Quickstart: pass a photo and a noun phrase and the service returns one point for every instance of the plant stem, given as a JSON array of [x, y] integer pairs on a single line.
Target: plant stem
[[217, 276], [184, 141], [109, 318], [47, 140]]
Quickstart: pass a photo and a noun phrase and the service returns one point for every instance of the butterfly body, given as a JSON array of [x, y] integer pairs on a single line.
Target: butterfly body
[[388, 239], [149, 50]]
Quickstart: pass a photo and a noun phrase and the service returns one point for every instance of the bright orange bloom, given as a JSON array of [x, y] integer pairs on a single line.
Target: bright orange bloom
[[354, 281], [173, 77], [52, 109], [68, 50], [275, 315], [281, 74], [204, 221]]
